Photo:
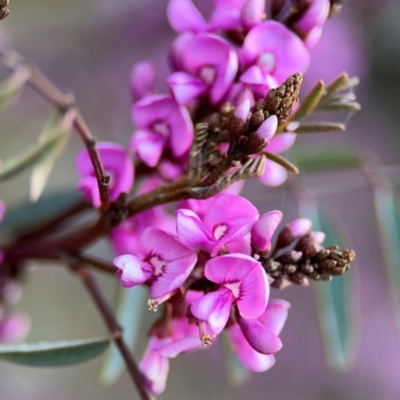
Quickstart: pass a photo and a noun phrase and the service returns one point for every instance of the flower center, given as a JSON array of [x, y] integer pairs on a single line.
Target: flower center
[[267, 61], [220, 231], [208, 73], [158, 265], [234, 287], [161, 128]]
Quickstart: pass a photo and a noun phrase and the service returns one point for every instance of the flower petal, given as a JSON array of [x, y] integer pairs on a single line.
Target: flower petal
[[253, 290], [250, 358], [268, 128], [148, 147], [185, 87], [142, 80], [281, 143], [261, 338], [131, 270], [275, 315], [263, 230], [252, 13], [274, 174], [184, 16], [155, 368], [214, 308], [191, 230]]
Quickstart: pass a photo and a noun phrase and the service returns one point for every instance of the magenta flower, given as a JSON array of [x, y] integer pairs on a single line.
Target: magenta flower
[[155, 368], [227, 220], [263, 230], [124, 237], [271, 53], [14, 327], [209, 67], [117, 164], [165, 263], [254, 341], [185, 17], [252, 13], [310, 24], [275, 174], [142, 80], [242, 281], [162, 123]]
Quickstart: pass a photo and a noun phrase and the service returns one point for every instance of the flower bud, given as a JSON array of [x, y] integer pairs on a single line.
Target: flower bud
[[263, 230]]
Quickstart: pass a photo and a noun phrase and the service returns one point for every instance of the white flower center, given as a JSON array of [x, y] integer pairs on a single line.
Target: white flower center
[[234, 287], [267, 61], [161, 128], [208, 74], [158, 265], [220, 231]]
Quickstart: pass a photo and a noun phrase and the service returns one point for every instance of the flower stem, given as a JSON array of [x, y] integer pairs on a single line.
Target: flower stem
[[90, 284]]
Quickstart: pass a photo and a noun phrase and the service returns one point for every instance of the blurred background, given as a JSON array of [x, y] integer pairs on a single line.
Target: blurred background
[[88, 47]]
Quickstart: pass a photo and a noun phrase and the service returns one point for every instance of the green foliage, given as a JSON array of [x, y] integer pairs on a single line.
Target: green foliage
[[335, 300], [130, 306], [53, 354]]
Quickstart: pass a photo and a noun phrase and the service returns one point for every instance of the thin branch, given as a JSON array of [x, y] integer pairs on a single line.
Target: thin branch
[[100, 265], [90, 283], [63, 102]]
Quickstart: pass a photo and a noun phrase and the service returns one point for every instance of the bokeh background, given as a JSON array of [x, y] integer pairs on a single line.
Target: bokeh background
[[89, 47]]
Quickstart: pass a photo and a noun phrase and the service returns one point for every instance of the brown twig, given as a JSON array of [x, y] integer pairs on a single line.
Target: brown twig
[[90, 283], [64, 103], [100, 265]]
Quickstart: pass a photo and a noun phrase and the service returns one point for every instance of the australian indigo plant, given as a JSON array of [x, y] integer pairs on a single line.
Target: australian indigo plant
[[210, 259]]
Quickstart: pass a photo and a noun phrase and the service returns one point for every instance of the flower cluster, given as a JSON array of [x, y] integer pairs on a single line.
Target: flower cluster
[[235, 81], [242, 52], [211, 273]]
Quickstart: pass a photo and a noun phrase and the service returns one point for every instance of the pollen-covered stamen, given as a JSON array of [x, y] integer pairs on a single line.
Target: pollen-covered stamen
[[205, 338], [219, 231], [152, 304], [267, 61], [208, 73], [158, 265], [234, 287]]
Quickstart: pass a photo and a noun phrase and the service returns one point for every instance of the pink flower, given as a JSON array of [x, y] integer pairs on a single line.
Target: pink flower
[[209, 64], [310, 24], [117, 164], [275, 174], [226, 220], [242, 280], [185, 17], [263, 230], [164, 262], [270, 54], [14, 327], [155, 368], [142, 80], [252, 13], [254, 341], [124, 237], [162, 123]]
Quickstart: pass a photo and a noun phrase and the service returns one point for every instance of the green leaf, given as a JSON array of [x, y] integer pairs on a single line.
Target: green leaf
[[309, 103], [236, 373], [11, 88], [387, 213], [338, 105], [282, 161], [41, 151], [54, 354], [40, 173], [319, 127], [335, 300], [130, 307], [337, 85], [20, 217], [332, 158]]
